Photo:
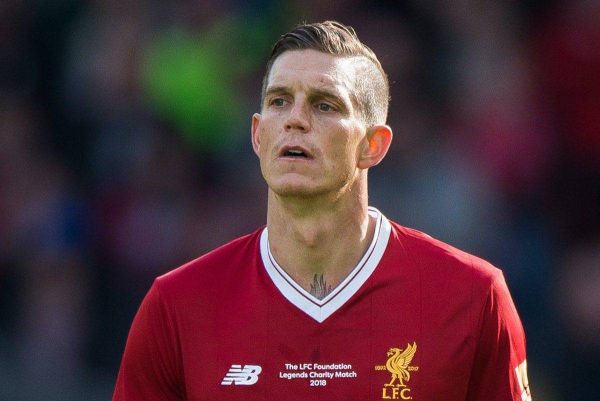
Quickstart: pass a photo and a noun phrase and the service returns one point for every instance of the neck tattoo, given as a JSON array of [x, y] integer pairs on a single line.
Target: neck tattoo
[[319, 288]]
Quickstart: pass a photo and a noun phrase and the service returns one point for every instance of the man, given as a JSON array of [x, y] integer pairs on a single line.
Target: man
[[331, 301]]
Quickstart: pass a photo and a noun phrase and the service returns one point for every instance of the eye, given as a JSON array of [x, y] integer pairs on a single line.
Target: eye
[[325, 107], [277, 102]]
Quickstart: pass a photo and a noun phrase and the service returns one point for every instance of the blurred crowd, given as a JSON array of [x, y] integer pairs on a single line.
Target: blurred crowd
[[124, 152]]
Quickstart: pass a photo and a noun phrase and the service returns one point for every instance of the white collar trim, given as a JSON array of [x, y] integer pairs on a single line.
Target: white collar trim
[[321, 309]]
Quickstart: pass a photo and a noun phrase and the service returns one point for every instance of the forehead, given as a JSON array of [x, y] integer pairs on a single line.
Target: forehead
[[311, 68]]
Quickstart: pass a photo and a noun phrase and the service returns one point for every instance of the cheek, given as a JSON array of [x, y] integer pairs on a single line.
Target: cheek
[[342, 154], [263, 152], [264, 139], [346, 146]]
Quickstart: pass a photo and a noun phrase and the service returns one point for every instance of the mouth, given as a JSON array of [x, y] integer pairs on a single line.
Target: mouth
[[295, 152]]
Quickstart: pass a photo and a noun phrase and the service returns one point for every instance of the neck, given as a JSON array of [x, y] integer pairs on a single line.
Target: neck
[[318, 243]]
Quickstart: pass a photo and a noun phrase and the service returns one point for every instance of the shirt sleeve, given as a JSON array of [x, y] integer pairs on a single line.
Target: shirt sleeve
[[499, 370], [149, 368]]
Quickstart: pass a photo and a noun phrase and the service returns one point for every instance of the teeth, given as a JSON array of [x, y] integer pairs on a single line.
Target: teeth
[[295, 152]]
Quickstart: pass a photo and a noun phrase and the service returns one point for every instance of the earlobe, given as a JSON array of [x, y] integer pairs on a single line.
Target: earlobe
[[377, 143], [254, 132]]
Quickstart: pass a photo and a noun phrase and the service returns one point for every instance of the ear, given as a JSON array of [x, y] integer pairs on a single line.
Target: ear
[[254, 132], [376, 145]]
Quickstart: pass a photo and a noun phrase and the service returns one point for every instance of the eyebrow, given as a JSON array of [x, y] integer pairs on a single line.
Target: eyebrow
[[276, 89], [312, 93]]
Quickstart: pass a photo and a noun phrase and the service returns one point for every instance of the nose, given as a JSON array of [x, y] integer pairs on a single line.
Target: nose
[[298, 119]]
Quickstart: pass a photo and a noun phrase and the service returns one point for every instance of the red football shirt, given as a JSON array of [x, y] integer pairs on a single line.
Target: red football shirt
[[415, 320]]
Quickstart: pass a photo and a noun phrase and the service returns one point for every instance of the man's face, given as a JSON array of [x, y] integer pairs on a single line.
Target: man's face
[[310, 136]]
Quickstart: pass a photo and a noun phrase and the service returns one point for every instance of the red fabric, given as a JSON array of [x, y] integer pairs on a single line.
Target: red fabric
[[222, 310]]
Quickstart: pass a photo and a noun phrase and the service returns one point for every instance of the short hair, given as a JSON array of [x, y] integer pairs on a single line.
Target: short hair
[[330, 37]]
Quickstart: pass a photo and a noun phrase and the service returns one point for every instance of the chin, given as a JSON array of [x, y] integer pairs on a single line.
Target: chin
[[295, 189]]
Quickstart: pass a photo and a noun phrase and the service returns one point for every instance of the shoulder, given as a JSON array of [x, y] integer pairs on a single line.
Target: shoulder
[[212, 267], [430, 255]]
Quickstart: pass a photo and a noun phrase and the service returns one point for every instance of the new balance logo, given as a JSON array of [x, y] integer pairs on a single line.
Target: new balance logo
[[242, 376]]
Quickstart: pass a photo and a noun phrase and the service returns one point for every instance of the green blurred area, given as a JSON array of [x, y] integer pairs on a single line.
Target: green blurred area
[[192, 79]]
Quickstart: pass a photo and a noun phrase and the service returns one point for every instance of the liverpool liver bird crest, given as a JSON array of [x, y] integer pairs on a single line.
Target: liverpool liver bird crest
[[397, 364]]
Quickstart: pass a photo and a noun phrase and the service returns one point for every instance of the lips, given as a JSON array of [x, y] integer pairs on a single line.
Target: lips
[[295, 152]]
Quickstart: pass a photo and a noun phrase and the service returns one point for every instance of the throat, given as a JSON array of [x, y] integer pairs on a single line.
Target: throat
[[316, 253], [319, 287]]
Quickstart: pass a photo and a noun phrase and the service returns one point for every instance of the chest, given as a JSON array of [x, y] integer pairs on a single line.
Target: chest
[[384, 344]]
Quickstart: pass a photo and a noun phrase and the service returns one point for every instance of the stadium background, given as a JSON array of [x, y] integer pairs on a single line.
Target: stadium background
[[124, 152]]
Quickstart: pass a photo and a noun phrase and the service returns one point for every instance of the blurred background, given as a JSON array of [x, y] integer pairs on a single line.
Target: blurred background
[[125, 152]]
